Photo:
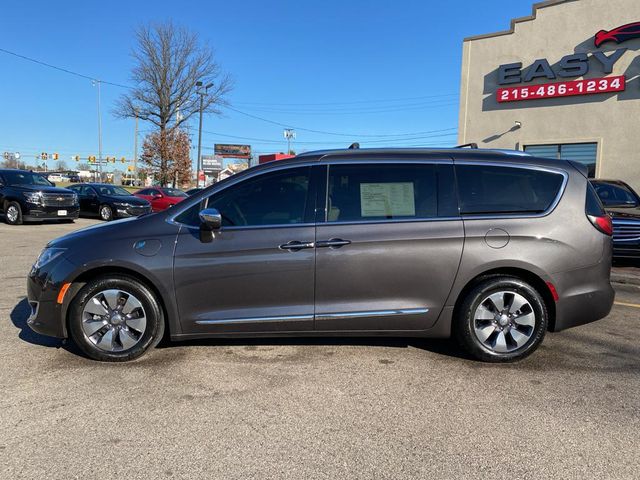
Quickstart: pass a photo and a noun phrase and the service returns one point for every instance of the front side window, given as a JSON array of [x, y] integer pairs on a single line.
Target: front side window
[[615, 195], [174, 192], [361, 192], [277, 198], [112, 190], [486, 190]]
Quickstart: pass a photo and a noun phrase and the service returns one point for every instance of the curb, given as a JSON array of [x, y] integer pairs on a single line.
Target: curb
[[625, 279]]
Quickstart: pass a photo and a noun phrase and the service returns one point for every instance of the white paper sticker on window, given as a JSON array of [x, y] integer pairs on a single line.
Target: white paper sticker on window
[[387, 199]]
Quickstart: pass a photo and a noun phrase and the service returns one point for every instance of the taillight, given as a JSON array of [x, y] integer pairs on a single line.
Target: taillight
[[596, 213], [602, 223]]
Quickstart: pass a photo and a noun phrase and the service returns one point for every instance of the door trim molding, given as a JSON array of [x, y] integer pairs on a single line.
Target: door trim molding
[[371, 313], [230, 321]]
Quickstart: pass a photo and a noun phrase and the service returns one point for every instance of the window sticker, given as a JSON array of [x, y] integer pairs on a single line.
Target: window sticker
[[387, 200]]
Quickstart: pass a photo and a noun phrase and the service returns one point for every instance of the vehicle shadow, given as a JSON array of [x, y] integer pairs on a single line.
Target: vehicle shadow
[[19, 316], [444, 347]]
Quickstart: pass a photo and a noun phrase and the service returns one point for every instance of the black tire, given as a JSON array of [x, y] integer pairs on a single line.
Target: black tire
[[13, 213], [106, 213], [465, 323], [154, 330]]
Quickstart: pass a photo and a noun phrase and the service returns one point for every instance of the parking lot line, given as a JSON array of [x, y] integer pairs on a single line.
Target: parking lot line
[[632, 305]]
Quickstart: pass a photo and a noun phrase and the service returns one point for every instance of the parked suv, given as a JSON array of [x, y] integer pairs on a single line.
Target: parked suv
[[28, 196], [623, 204], [490, 247]]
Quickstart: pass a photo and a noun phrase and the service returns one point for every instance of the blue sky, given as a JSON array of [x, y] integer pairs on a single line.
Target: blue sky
[[351, 67]]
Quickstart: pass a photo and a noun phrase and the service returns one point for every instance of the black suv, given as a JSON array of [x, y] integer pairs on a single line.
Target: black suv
[[109, 201], [623, 204], [28, 196]]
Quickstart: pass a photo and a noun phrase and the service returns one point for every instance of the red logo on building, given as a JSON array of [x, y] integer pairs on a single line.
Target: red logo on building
[[618, 35]]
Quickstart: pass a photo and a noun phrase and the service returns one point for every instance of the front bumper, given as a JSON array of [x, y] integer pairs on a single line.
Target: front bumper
[[51, 213], [626, 249], [125, 212], [43, 285]]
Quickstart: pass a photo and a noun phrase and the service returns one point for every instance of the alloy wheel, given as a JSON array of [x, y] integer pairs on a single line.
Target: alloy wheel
[[114, 320], [12, 213], [504, 322], [105, 212]]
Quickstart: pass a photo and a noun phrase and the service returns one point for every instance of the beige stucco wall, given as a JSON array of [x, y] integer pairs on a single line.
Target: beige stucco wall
[[559, 29]]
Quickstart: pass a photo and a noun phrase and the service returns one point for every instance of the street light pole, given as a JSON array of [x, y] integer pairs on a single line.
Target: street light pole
[[199, 159], [97, 83]]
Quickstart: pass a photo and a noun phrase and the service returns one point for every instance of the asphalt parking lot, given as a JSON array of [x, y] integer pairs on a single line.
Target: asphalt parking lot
[[331, 408]]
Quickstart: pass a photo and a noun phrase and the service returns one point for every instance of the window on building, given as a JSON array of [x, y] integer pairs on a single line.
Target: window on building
[[585, 153]]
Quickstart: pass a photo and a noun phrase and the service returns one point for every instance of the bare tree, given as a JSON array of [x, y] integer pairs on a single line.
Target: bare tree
[[169, 61], [61, 165]]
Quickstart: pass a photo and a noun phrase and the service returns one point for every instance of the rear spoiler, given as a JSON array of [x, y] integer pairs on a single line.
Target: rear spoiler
[[581, 167]]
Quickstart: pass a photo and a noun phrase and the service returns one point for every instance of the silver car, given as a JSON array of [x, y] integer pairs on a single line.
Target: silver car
[[493, 248]]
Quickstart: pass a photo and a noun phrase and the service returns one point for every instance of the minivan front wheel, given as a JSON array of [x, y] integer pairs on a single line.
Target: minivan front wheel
[[501, 319], [115, 318]]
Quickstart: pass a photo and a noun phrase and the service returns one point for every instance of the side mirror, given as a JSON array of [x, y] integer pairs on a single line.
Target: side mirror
[[157, 195], [52, 184], [211, 218]]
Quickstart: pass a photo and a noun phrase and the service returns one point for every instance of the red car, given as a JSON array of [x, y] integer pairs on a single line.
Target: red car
[[161, 198]]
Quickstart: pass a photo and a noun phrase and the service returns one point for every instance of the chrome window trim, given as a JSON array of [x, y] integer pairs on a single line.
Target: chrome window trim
[[232, 321], [371, 313], [526, 166]]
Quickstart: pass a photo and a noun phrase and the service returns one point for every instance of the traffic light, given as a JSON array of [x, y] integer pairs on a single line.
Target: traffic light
[[76, 158], [123, 160], [55, 156], [130, 168], [92, 159], [44, 156]]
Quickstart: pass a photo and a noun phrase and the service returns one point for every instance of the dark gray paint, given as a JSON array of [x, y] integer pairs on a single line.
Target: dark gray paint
[[407, 274]]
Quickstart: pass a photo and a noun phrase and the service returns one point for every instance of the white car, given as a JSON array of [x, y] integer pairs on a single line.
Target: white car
[[56, 177]]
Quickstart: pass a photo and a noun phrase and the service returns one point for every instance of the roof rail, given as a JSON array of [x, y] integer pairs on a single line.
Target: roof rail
[[468, 145]]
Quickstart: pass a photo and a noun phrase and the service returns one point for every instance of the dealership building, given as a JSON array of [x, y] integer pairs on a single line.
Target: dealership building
[[561, 83]]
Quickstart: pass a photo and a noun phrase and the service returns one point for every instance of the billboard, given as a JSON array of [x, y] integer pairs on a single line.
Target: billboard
[[232, 151], [211, 163]]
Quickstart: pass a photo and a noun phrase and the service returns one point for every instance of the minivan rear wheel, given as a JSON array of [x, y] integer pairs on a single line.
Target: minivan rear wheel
[[115, 318], [501, 319]]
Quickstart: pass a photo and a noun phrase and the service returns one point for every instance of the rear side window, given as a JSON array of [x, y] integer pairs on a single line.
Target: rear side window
[[360, 192], [593, 206], [485, 190]]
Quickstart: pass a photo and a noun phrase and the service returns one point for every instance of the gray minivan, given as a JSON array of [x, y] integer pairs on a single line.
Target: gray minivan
[[494, 248]]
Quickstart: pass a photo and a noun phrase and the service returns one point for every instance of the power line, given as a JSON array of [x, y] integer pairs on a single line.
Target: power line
[[62, 69], [280, 124], [349, 103]]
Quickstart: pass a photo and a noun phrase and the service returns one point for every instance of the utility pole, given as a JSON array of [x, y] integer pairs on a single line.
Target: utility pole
[[97, 83], [135, 148], [289, 134], [199, 159]]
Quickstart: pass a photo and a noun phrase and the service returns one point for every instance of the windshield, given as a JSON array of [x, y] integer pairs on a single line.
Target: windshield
[[615, 195], [174, 192], [25, 178], [111, 190]]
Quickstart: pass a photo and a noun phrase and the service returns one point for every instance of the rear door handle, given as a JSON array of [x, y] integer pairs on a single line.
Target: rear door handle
[[333, 243], [294, 246]]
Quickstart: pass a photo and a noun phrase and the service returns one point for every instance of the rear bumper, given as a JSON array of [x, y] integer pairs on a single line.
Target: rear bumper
[[586, 295]]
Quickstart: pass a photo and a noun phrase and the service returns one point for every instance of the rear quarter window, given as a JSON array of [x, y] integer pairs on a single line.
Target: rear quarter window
[[486, 190]]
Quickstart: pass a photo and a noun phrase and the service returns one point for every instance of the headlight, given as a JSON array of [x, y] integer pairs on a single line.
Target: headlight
[[47, 255], [75, 198], [33, 197]]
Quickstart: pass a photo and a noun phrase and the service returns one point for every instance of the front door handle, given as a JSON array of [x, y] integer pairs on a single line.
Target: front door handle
[[333, 243], [294, 246]]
